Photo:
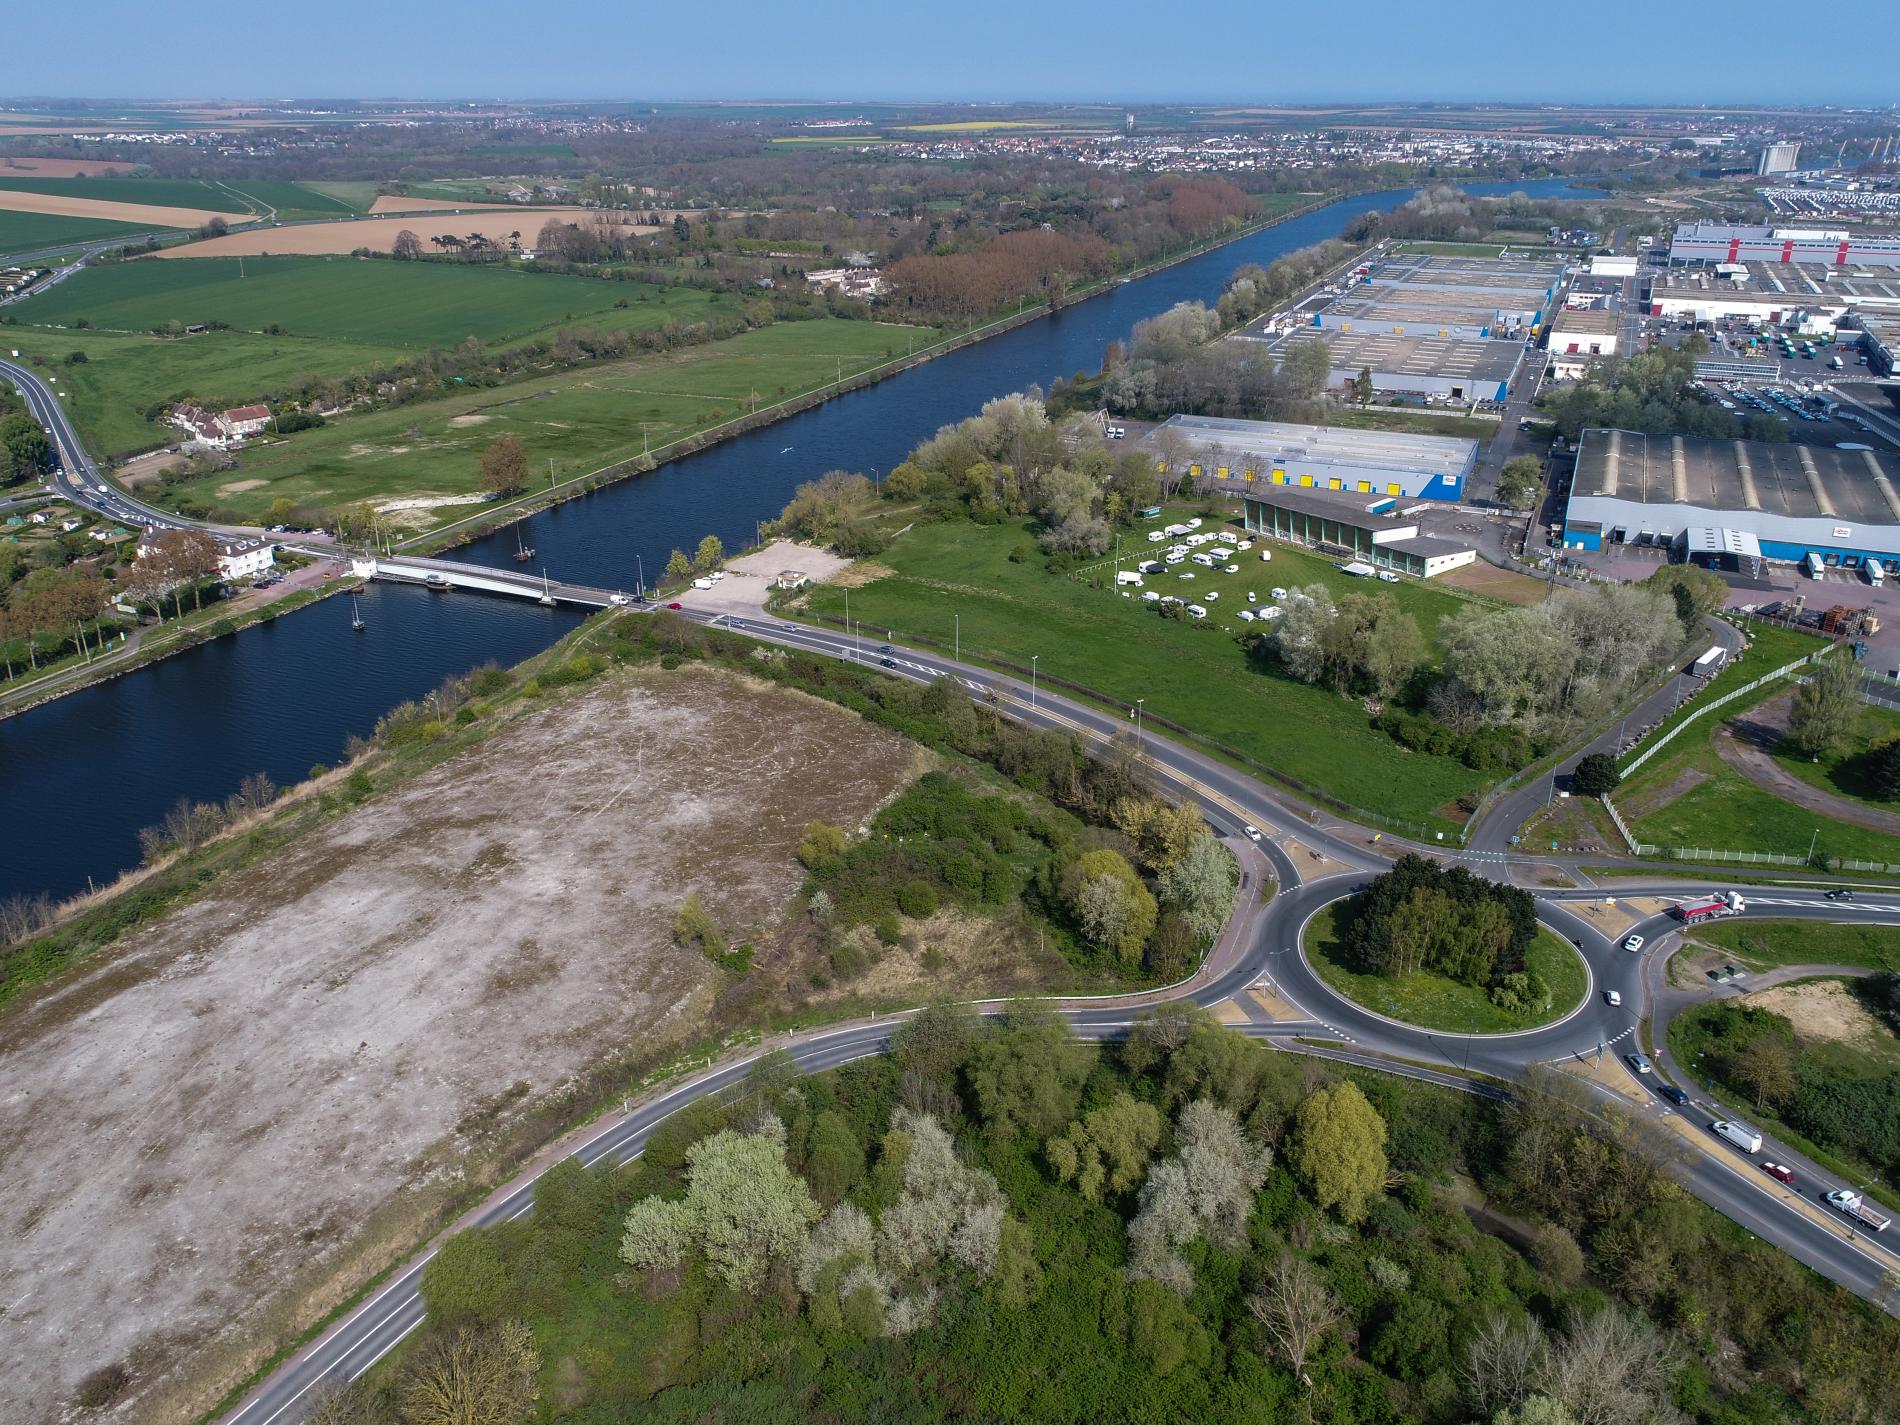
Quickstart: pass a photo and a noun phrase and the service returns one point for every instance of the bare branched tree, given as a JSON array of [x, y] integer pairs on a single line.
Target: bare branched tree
[[1296, 1309]]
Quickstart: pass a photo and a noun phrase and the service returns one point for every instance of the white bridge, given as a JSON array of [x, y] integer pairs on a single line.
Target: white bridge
[[448, 574]]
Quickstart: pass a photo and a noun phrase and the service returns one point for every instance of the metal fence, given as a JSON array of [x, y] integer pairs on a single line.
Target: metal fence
[[1709, 707]]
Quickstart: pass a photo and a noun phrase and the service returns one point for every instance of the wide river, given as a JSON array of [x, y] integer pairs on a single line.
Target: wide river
[[80, 776]]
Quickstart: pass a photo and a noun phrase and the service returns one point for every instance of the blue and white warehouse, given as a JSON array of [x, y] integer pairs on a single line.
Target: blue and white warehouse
[[1245, 455], [1733, 504]]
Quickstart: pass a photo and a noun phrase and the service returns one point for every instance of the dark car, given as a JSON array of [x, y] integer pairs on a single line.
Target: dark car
[[885, 648], [887, 662], [1843, 894], [1672, 1093]]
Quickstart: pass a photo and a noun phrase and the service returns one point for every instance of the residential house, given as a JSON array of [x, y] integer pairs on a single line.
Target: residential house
[[201, 427], [245, 420], [245, 558]]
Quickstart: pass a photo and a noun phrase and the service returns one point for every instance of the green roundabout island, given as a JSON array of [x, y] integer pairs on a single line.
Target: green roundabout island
[[1425, 946]]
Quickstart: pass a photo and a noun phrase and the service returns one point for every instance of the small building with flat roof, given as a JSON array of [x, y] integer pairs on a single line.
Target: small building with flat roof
[[1352, 527], [1734, 502], [1239, 455], [1578, 338]]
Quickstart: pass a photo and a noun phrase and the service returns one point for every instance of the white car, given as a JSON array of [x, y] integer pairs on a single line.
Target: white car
[[1231, 569], [1612, 998], [1633, 944], [1150, 597], [1638, 1062], [619, 601], [1252, 597], [1253, 832], [1211, 595], [1194, 523], [1188, 575], [1277, 592]]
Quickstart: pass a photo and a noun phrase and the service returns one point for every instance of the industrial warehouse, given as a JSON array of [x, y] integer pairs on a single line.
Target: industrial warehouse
[[1708, 244], [1364, 462], [1809, 296], [1446, 328], [1735, 504], [1366, 532]]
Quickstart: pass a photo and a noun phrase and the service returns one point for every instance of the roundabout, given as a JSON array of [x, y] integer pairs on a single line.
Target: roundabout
[[1427, 1000]]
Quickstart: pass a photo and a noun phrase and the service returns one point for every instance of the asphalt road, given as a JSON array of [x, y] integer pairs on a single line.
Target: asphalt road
[[78, 478], [1267, 950]]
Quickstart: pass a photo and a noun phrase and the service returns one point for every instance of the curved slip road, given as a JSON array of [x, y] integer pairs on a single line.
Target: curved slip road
[[1261, 945]]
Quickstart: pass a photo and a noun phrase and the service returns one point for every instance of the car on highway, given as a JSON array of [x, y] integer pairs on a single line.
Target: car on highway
[[1611, 997], [1841, 894], [676, 607], [1780, 1172], [1633, 944], [1638, 1062], [887, 662], [1673, 1094], [885, 648], [1252, 831], [619, 601]]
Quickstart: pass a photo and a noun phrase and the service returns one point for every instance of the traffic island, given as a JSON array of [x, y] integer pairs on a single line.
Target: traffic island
[[1430, 1000]]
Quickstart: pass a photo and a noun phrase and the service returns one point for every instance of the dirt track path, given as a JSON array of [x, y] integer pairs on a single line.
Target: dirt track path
[[1741, 744]]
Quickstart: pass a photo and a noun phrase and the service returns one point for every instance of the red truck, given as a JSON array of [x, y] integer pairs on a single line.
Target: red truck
[[1709, 907]]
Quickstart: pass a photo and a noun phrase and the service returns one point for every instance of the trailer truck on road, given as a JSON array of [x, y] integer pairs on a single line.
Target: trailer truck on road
[[1709, 907], [1851, 1204]]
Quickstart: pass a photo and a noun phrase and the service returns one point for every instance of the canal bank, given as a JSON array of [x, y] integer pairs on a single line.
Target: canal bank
[[81, 775]]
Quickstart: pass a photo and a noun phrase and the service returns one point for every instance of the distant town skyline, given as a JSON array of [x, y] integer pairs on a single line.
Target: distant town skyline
[[1218, 51]]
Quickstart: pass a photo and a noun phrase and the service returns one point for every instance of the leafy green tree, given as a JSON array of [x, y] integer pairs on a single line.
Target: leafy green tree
[[1114, 909], [743, 1209], [834, 1160], [504, 467], [1363, 387], [1826, 708], [1883, 769], [1106, 1150], [935, 1041], [821, 843], [1202, 1193], [678, 566], [25, 452], [1202, 884], [710, 555], [1696, 592], [465, 1279], [1027, 1076], [1519, 481], [1339, 1149], [1595, 775]]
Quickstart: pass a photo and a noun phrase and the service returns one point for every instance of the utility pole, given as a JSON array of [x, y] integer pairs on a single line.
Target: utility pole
[[1032, 681], [641, 566], [956, 637], [1140, 746]]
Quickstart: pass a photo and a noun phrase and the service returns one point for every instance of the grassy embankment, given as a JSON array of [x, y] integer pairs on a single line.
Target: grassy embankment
[[1436, 1002], [1844, 773], [1769, 944], [1195, 674], [335, 316], [583, 419], [1688, 797]]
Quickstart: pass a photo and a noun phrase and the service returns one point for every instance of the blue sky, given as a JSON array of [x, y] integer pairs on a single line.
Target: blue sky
[[1115, 50]]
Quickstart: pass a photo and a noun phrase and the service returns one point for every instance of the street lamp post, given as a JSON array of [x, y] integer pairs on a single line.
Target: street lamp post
[[956, 637], [640, 565], [1032, 681], [1138, 742]]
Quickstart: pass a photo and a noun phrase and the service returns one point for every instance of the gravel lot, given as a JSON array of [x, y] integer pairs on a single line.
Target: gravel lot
[[214, 1134]]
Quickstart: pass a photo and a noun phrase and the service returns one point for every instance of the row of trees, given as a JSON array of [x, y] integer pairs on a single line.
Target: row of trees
[[1651, 393], [1173, 365], [25, 452]]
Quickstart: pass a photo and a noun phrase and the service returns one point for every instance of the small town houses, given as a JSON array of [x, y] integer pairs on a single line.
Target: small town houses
[[223, 430]]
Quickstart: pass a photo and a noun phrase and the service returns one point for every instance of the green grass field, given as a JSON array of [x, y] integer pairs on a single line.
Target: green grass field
[[1196, 674], [293, 200], [1435, 1002], [1770, 648], [26, 232], [358, 197], [1844, 774], [165, 192], [1724, 811], [412, 305], [1765, 944], [124, 376], [581, 419]]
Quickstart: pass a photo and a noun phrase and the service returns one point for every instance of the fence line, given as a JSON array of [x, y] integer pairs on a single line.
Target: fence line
[[1728, 697], [1617, 817]]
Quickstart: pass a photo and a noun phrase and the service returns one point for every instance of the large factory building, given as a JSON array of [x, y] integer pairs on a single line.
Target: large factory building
[[1797, 294], [1245, 455], [1733, 504], [1706, 244]]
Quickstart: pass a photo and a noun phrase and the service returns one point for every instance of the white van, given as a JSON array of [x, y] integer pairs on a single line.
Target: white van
[[702, 583], [1738, 1133]]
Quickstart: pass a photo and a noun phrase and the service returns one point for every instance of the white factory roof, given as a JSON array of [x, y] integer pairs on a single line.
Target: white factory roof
[[1281, 441]]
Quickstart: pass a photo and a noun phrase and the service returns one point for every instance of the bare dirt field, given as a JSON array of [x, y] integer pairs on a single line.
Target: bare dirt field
[[1825, 1010], [376, 234], [152, 215], [1483, 578], [750, 577], [212, 1135]]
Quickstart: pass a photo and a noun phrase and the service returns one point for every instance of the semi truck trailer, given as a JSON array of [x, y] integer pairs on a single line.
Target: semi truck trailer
[[1851, 1204], [1710, 907]]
